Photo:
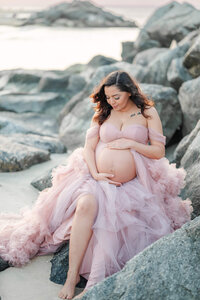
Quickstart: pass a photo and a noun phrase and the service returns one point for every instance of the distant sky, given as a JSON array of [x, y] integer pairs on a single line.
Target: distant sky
[[103, 3]]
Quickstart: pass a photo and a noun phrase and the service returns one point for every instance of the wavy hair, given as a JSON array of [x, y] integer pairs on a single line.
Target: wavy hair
[[125, 83]]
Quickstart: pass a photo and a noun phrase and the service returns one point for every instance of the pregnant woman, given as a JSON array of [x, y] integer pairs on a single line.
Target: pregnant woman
[[117, 194]]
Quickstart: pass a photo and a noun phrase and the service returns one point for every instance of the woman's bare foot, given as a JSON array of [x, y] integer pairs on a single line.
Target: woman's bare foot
[[80, 295], [67, 292]]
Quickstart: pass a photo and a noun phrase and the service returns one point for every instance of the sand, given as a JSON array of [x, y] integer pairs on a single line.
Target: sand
[[30, 282]]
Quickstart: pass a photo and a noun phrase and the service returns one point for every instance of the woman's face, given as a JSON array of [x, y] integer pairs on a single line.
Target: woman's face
[[117, 99]]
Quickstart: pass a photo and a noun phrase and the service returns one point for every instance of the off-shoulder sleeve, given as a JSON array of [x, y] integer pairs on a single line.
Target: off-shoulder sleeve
[[92, 132], [154, 135]]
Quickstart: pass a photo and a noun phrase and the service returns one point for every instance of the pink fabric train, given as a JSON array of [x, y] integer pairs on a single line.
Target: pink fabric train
[[129, 218]]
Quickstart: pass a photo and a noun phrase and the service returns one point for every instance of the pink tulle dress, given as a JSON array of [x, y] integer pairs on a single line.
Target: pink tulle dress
[[130, 217]]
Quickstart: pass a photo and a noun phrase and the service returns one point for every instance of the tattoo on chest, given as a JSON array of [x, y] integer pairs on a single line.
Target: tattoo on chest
[[138, 113]]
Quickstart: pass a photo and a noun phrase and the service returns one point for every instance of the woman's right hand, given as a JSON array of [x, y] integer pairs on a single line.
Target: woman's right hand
[[106, 177]]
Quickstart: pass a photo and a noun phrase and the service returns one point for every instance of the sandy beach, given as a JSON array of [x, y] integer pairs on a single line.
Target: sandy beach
[[29, 282]]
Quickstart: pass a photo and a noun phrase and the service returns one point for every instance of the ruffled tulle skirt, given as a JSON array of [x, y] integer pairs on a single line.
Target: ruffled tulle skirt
[[129, 217]]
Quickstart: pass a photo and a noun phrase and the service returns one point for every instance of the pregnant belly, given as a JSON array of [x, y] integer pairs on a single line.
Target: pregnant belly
[[120, 163]]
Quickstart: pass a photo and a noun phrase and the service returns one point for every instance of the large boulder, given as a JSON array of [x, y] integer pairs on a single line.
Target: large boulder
[[145, 57], [167, 105], [156, 71], [49, 103], [173, 21], [192, 58], [189, 98], [16, 157], [187, 155], [177, 73], [41, 124], [167, 269]]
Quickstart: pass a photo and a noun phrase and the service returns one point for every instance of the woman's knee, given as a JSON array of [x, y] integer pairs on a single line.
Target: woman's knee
[[86, 205]]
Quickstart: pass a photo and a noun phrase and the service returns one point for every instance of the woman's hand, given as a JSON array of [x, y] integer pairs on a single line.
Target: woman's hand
[[121, 144], [106, 177]]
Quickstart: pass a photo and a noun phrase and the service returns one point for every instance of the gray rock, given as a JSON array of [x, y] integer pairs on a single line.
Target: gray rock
[[101, 60], [40, 124], [174, 24], [145, 57], [177, 73], [42, 182], [48, 103], [66, 85], [167, 269], [185, 143], [189, 98], [20, 80], [192, 58], [50, 144], [16, 157], [127, 51], [167, 105], [190, 161], [3, 265], [78, 14], [156, 71], [60, 266]]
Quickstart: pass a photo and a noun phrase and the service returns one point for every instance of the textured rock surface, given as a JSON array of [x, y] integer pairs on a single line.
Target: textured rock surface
[[16, 157], [189, 153], [60, 266], [167, 269], [189, 98], [177, 73], [192, 58]]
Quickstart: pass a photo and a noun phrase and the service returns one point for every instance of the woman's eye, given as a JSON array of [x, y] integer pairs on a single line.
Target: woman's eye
[[117, 98]]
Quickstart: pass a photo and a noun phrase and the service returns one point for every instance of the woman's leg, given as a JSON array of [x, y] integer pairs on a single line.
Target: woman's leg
[[81, 232]]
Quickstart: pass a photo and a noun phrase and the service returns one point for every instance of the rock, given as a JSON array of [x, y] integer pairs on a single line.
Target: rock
[[167, 105], [20, 80], [145, 57], [192, 58], [3, 265], [40, 124], [174, 24], [101, 60], [156, 71], [185, 143], [48, 103], [189, 98], [50, 144], [190, 161], [66, 85], [60, 266], [127, 51], [177, 73], [167, 269], [16, 157], [78, 14], [42, 182]]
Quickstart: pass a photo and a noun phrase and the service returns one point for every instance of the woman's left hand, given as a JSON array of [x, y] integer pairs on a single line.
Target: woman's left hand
[[121, 144]]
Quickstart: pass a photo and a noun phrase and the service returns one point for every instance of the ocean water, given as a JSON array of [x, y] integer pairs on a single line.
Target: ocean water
[[39, 47]]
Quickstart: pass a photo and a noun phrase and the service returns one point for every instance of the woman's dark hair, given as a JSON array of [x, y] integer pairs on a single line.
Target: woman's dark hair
[[125, 83]]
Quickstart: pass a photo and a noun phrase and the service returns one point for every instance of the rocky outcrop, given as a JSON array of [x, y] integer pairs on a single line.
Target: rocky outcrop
[[189, 98], [77, 14], [167, 269], [187, 155], [15, 156], [192, 58]]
